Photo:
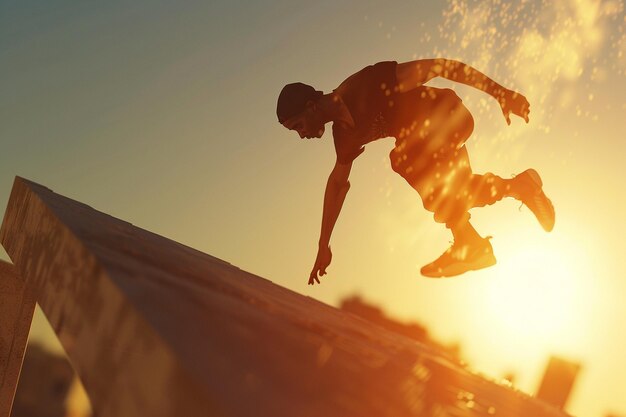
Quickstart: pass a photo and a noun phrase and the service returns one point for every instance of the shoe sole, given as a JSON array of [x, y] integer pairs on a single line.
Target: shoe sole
[[485, 261], [534, 176]]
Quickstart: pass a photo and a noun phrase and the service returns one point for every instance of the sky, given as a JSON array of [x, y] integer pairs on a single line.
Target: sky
[[162, 114]]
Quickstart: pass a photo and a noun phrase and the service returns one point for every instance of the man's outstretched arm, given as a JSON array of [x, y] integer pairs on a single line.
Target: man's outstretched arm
[[415, 73], [336, 190]]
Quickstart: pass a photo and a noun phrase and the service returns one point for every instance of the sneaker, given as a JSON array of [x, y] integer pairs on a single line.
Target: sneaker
[[528, 185], [460, 258]]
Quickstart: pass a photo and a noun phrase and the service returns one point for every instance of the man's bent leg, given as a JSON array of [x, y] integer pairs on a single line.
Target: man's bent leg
[[474, 190], [444, 189], [526, 187]]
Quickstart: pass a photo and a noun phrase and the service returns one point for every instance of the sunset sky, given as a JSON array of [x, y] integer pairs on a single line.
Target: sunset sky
[[163, 114]]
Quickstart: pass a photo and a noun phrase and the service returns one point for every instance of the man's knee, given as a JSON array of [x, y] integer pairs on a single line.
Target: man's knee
[[487, 189], [408, 163], [396, 159]]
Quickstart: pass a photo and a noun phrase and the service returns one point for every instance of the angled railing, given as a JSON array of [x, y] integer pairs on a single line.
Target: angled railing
[[155, 328]]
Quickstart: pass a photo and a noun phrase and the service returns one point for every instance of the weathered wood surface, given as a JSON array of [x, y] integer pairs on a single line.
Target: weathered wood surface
[[156, 328], [17, 305]]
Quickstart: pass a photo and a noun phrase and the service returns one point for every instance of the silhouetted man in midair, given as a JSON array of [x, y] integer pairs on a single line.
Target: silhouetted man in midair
[[430, 126]]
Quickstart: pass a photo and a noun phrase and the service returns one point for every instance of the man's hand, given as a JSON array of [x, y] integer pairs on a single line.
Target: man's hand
[[324, 256], [513, 102]]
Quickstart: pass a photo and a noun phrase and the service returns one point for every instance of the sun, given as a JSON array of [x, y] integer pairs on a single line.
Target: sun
[[540, 293]]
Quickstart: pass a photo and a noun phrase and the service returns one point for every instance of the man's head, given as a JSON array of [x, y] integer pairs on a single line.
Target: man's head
[[298, 110]]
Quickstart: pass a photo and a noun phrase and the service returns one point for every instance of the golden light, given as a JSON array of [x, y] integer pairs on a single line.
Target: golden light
[[540, 292]]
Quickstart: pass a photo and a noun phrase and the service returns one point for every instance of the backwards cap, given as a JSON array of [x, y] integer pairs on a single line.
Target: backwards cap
[[293, 98]]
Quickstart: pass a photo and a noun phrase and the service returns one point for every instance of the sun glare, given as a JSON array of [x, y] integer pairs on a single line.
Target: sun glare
[[540, 295]]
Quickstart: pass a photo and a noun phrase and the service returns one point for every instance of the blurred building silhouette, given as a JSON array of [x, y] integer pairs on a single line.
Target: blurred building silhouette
[[558, 381], [44, 384], [356, 305]]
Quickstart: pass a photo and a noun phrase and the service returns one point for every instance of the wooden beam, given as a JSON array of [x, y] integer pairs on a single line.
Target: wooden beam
[[155, 328], [17, 305], [65, 249]]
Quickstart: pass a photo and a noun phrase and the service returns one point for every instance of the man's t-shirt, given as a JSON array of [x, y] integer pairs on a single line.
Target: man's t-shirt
[[380, 110]]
